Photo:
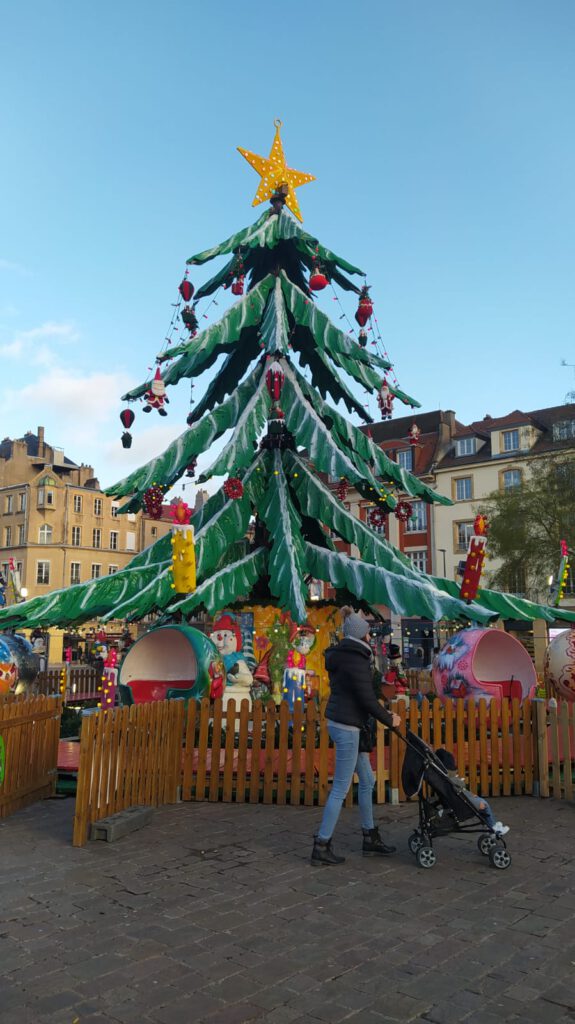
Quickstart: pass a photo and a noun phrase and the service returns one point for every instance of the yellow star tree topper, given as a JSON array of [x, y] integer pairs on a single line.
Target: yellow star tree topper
[[274, 173]]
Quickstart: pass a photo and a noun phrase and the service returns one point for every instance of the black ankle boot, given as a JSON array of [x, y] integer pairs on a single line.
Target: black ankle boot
[[373, 844], [322, 853]]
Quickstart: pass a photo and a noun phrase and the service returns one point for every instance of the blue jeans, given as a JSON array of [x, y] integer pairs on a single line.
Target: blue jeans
[[477, 802], [347, 760]]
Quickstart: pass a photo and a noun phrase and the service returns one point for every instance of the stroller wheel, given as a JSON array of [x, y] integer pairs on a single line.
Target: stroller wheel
[[486, 843], [499, 857], [426, 857], [415, 842]]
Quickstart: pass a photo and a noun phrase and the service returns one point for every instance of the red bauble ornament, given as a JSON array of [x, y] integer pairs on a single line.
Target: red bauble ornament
[[318, 281], [377, 517], [274, 381], [238, 285], [233, 487], [341, 490], [153, 501], [403, 511], [127, 417], [186, 289]]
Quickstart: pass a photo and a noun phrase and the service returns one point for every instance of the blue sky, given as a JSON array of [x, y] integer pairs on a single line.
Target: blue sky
[[441, 137]]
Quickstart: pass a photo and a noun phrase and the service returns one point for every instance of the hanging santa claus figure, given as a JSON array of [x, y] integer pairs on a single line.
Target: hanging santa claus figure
[[155, 397], [385, 400]]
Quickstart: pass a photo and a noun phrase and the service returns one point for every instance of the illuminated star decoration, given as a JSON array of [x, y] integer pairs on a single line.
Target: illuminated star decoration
[[274, 172]]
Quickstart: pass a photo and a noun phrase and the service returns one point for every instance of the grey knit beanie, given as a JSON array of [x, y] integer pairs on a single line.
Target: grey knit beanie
[[355, 627]]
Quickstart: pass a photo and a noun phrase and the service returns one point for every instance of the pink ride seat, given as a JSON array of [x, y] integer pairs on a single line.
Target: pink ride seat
[[145, 690]]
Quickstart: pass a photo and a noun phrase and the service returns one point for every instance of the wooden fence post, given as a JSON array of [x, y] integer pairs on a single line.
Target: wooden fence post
[[539, 732]]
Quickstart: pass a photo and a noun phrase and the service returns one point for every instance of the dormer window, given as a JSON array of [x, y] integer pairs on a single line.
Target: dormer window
[[510, 440], [465, 446], [563, 430]]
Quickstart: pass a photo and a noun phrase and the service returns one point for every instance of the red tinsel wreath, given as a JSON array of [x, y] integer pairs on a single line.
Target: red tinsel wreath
[[153, 501], [233, 487], [403, 511], [377, 517]]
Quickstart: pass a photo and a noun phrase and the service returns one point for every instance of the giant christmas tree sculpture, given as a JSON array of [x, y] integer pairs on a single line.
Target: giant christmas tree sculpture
[[283, 358]]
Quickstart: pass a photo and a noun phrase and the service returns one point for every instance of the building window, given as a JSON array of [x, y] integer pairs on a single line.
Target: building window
[[517, 583], [114, 540], [42, 572], [112, 570], [418, 559], [96, 538], [511, 479], [405, 459], [465, 446], [114, 511], [76, 536], [22, 501], [130, 541], [418, 521], [96, 571], [510, 440], [464, 488], [97, 506], [154, 531], [563, 430], [45, 497], [45, 534], [465, 532], [74, 572], [9, 503], [77, 503], [21, 534], [8, 533]]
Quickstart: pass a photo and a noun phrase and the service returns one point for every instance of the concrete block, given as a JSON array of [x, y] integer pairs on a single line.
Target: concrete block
[[121, 824]]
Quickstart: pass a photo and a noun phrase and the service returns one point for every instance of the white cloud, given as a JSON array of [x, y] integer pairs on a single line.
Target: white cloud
[[82, 402], [12, 349], [25, 343]]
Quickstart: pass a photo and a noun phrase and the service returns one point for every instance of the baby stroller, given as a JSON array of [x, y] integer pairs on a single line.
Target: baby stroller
[[443, 808]]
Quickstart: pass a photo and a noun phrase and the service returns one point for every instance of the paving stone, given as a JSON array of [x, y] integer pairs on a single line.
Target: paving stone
[[212, 914]]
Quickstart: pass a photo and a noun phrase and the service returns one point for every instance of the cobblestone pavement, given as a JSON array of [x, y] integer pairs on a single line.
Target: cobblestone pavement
[[214, 914]]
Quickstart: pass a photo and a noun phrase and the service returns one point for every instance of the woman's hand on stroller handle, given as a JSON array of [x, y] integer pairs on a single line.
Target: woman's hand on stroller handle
[[395, 721]]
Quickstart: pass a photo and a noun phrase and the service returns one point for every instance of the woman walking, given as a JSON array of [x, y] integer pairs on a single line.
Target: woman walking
[[352, 701]]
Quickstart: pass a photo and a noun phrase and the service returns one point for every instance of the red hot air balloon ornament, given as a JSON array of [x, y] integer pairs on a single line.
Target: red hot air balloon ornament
[[365, 307], [127, 418], [186, 289]]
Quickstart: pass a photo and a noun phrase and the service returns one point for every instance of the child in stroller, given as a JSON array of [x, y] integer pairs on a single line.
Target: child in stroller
[[446, 806]]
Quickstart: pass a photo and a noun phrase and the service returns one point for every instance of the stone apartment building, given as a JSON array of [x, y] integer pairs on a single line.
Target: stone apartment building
[[466, 463], [494, 454], [55, 522]]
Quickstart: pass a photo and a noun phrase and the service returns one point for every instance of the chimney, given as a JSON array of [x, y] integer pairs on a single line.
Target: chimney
[[41, 446]]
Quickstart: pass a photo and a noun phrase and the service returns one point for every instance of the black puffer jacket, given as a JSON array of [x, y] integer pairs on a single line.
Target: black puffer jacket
[[352, 699]]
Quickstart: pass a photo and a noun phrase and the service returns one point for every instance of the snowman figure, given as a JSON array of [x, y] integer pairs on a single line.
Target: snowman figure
[[227, 637]]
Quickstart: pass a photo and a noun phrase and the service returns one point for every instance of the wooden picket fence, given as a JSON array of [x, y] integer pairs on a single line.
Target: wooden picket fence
[[29, 735], [83, 683], [128, 757], [157, 753]]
